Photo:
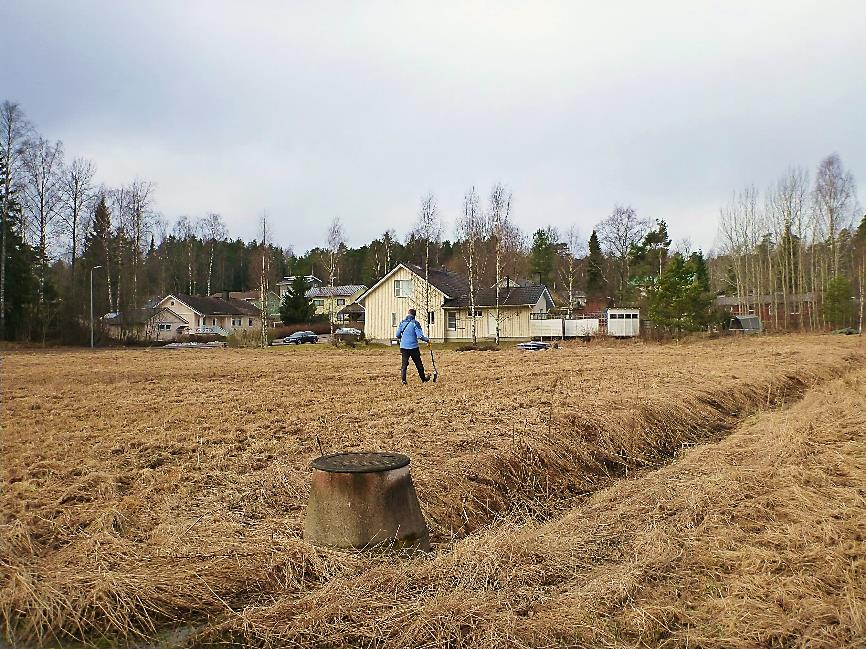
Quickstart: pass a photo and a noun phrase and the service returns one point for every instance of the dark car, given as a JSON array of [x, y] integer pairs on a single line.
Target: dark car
[[301, 337]]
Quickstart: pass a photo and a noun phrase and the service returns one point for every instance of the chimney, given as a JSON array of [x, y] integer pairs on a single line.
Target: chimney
[[225, 295]]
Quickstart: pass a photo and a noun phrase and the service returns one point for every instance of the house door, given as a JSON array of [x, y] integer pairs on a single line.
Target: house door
[[491, 323]]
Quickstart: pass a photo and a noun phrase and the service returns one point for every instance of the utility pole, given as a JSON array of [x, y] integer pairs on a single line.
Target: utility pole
[[91, 304], [263, 283]]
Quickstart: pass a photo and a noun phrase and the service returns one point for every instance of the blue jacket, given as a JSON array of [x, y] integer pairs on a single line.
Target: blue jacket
[[409, 333]]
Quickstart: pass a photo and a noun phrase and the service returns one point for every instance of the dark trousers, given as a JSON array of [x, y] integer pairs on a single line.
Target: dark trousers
[[415, 355]]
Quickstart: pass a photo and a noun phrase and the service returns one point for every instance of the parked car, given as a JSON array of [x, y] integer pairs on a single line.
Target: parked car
[[348, 331], [300, 337]]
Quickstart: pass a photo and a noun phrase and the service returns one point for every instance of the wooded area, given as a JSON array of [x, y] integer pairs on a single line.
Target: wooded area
[[795, 253]]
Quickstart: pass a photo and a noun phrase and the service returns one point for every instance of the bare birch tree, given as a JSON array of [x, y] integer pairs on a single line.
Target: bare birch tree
[[572, 251], [336, 241], [618, 233], [140, 221], [184, 231], [471, 230], [499, 219], [263, 282], [737, 228], [428, 229], [835, 200], [213, 230], [78, 193], [43, 169], [787, 212], [119, 200]]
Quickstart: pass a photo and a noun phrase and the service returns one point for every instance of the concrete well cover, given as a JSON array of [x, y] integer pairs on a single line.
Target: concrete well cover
[[360, 462]]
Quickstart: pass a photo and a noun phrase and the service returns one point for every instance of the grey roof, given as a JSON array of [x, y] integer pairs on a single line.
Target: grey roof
[[246, 295], [335, 291], [354, 307], [310, 279], [732, 300], [136, 316], [514, 296], [450, 283], [218, 305]]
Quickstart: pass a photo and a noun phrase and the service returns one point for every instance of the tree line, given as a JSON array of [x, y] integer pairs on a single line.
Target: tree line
[[61, 230]]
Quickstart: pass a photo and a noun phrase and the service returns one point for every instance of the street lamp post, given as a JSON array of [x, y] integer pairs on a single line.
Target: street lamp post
[[91, 304]]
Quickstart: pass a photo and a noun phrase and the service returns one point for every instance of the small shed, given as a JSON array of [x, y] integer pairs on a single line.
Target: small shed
[[352, 313], [623, 323], [747, 324]]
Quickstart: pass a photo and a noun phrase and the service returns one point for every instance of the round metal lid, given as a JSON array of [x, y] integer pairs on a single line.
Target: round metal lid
[[360, 462]]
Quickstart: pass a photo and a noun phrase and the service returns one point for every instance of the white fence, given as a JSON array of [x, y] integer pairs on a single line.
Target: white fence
[[583, 327], [546, 328], [559, 327], [617, 322]]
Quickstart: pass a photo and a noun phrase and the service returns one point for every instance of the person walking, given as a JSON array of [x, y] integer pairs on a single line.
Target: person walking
[[409, 333]]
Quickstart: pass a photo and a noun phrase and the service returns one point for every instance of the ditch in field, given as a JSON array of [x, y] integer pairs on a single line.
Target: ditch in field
[[752, 539]]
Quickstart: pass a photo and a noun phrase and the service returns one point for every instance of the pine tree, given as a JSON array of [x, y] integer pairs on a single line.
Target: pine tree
[[648, 258]]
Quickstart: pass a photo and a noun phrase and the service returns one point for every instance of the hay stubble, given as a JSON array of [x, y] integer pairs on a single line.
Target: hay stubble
[[151, 488]]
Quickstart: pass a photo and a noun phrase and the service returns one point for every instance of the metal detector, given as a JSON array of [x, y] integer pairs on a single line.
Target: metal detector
[[433, 360]]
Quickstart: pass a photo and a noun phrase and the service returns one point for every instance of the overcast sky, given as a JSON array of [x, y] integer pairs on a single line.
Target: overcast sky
[[315, 110]]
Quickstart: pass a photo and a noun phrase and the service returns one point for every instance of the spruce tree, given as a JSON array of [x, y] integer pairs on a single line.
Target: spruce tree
[[543, 254], [296, 307], [681, 299], [595, 284], [20, 290], [839, 306]]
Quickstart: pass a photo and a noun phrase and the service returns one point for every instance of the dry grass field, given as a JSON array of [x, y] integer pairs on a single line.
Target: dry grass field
[[706, 494]]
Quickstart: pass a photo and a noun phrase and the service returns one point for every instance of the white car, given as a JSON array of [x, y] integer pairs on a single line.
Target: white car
[[348, 331]]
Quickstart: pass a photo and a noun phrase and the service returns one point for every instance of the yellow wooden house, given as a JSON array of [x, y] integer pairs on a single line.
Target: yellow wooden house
[[443, 306]]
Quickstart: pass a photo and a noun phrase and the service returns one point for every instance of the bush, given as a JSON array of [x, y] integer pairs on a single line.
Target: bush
[[199, 338], [317, 327], [245, 338]]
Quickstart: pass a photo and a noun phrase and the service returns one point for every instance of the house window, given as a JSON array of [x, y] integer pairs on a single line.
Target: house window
[[236, 322], [452, 321], [478, 313], [393, 319], [251, 322], [164, 326], [318, 303], [431, 318], [341, 301], [402, 287], [172, 302], [213, 321]]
